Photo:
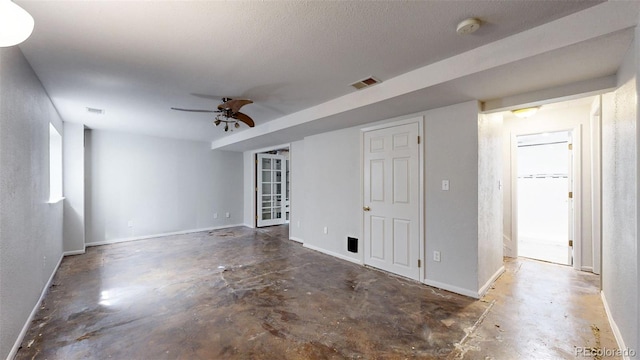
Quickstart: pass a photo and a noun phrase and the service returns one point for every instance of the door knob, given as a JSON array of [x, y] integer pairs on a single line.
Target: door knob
[[366, 208]]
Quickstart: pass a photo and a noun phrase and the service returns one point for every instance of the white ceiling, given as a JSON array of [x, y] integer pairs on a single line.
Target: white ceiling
[[135, 60]]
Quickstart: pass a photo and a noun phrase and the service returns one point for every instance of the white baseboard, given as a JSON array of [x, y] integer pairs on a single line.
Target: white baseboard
[[587, 268], [182, 232], [36, 307], [483, 290], [614, 326], [339, 256], [296, 239], [74, 252], [454, 289]]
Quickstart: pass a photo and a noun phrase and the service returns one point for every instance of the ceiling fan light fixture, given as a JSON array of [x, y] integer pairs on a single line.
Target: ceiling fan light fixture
[[217, 122], [237, 125]]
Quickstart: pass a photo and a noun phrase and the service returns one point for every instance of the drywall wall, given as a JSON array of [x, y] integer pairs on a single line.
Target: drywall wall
[[451, 217], [490, 215], [297, 192], [332, 194], [142, 186], [30, 228], [73, 163], [619, 204], [249, 183], [558, 117], [332, 183]]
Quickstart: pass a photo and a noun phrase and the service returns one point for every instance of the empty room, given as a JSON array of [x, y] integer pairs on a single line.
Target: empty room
[[319, 179]]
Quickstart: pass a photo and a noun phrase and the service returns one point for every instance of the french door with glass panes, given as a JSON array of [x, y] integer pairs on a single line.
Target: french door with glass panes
[[271, 188]]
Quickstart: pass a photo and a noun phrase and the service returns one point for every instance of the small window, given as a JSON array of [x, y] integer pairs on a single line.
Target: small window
[[55, 164]]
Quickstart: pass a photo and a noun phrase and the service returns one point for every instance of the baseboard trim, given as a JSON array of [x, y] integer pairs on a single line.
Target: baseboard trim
[[327, 252], [587, 268], [293, 238], [74, 252], [144, 237], [483, 290], [23, 332], [453, 289], [614, 326]]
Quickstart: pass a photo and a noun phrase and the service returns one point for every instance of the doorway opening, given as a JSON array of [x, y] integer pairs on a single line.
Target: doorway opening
[[544, 191], [272, 187]]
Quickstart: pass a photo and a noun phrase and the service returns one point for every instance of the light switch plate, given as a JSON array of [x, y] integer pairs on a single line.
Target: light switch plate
[[445, 185]]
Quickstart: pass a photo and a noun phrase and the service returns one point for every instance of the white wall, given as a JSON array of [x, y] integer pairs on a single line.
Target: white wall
[[159, 185], [297, 192], [549, 119], [30, 228], [451, 217], [333, 199], [249, 183], [74, 186], [490, 217], [619, 204], [331, 195]]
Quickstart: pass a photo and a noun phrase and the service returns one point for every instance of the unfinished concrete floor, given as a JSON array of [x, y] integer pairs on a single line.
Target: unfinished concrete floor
[[252, 294]]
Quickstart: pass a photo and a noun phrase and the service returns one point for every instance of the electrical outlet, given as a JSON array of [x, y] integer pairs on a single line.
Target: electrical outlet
[[215, 215], [325, 230], [445, 185], [436, 256], [227, 215]]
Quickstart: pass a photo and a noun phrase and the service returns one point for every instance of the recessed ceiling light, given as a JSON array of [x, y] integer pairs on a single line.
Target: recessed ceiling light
[[95, 111], [468, 26]]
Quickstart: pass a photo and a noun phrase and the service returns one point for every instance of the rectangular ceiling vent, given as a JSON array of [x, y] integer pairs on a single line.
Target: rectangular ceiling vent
[[365, 83], [95, 111]]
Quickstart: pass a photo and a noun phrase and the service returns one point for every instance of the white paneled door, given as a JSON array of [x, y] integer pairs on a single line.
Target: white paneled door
[[271, 189], [391, 200]]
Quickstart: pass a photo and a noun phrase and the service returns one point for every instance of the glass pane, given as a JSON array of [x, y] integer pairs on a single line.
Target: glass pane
[[278, 189], [278, 176], [277, 213], [266, 188], [266, 216], [266, 163], [277, 164], [266, 176]]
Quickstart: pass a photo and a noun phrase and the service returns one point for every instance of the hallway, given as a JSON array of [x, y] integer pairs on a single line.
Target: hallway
[[245, 293]]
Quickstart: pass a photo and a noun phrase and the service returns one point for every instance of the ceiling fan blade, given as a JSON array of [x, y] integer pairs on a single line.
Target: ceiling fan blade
[[244, 118], [234, 105], [195, 110]]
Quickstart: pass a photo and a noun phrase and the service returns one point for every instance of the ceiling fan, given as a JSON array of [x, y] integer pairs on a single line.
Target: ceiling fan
[[228, 113]]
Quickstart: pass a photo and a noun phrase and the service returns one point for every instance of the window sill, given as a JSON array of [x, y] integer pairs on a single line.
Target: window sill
[[55, 201]]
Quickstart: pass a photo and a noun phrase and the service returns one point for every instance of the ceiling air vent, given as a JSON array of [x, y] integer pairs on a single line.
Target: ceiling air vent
[[364, 83], [95, 111]]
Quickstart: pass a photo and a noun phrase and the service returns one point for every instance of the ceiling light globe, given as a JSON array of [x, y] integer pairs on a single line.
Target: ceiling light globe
[[16, 24], [237, 125], [217, 122]]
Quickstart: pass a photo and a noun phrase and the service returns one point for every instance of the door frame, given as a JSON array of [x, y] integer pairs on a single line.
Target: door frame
[[251, 181], [283, 190], [576, 136], [421, 200]]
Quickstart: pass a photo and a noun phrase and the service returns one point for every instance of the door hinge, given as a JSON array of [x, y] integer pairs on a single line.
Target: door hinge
[[418, 139], [256, 188], [570, 194], [256, 217], [570, 146], [419, 263], [571, 243]]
